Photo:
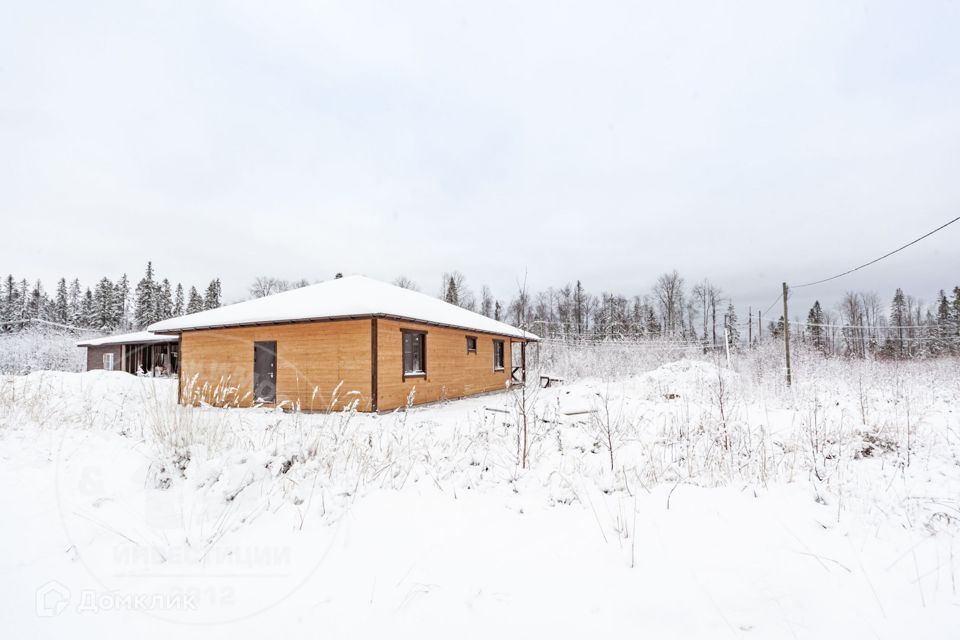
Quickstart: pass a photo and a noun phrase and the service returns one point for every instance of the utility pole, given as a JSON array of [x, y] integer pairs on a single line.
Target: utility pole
[[759, 325], [786, 332], [750, 327]]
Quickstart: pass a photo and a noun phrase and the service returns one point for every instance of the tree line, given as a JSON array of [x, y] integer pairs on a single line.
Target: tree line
[[109, 306], [863, 326], [860, 326], [670, 309]]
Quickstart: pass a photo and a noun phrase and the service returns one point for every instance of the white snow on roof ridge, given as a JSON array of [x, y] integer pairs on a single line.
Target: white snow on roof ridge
[[350, 296], [127, 338]]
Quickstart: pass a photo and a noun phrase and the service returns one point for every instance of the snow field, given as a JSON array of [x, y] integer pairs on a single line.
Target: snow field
[[734, 507]]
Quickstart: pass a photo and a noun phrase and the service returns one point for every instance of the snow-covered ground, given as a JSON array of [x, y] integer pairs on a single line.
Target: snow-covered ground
[[734, 507]]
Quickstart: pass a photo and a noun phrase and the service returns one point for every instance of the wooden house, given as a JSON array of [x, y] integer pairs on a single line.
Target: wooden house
[[142, 352], [347, 340]]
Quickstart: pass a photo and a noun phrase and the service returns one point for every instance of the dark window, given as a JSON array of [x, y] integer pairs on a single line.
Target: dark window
[[498, 355], [414, 353], [471, 344]]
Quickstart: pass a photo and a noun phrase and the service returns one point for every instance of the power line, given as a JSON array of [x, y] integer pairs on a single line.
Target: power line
[[887, 255], [772, 304]]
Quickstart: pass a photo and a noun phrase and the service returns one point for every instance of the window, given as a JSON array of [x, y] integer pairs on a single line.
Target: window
[[108, 361], [414, 354], [471, 344], [498, 355]]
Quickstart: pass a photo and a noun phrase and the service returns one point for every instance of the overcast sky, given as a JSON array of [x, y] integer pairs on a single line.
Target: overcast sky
[[748, 142]]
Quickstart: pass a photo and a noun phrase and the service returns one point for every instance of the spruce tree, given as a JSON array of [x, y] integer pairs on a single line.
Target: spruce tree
[[178, 301], [164, 302], [74, 300], [194, 301], [10, 303], [88, 310], [730, 324], [61, 312], [955, 311], [651, 326], [35, 309], [814, 325], [146, 312], [121, 298], [212, 298], [945, 329], [451, 294], [103, 306], [899, 317]]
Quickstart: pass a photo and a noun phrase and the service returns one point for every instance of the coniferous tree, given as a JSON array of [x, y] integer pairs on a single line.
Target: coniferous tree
[[945, 329], [74, 300], [103, 306], [955, 311], [194, 301], [815, 326], [24, 298], [652, 325], [212, 298], [35, 308], [10, 303], [88, 310], [178, 301], [164, 303], [730, 324], [146, 295], [899, 318], [119, 313], [61, 312], [451, 294]]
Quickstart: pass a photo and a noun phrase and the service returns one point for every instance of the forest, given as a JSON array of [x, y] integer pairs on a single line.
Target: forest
[[861, 324]]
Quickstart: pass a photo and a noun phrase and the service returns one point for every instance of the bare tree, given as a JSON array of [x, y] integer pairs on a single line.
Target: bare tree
[[669, 293], [264, 286], [487, 302], [406, 283]]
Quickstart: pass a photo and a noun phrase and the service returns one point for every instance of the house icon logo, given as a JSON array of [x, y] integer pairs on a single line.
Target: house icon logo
[[52, 599]]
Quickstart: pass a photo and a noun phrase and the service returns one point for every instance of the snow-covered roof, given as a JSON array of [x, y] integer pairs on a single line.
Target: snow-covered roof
[[140, 337], [347, 297]]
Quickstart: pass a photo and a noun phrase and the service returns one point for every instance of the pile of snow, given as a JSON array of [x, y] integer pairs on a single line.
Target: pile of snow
[[677, 379]]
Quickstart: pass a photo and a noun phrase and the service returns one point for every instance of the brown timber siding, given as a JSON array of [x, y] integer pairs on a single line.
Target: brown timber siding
[[451, 371], [312, 359], [95, 357]]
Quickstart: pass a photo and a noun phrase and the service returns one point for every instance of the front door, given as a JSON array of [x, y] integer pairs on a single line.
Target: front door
[[265, 371]]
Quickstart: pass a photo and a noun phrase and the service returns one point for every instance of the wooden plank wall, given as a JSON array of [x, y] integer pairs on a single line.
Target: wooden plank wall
[[451, 371], [312, 359], [95, 357]]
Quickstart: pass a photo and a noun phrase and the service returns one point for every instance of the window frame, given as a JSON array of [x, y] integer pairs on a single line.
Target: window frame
[[499, 350], [475, 344], [423, 353], [109, 357]]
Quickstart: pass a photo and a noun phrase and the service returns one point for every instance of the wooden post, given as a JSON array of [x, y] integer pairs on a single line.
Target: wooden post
[[523, 361], [786, 332]]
